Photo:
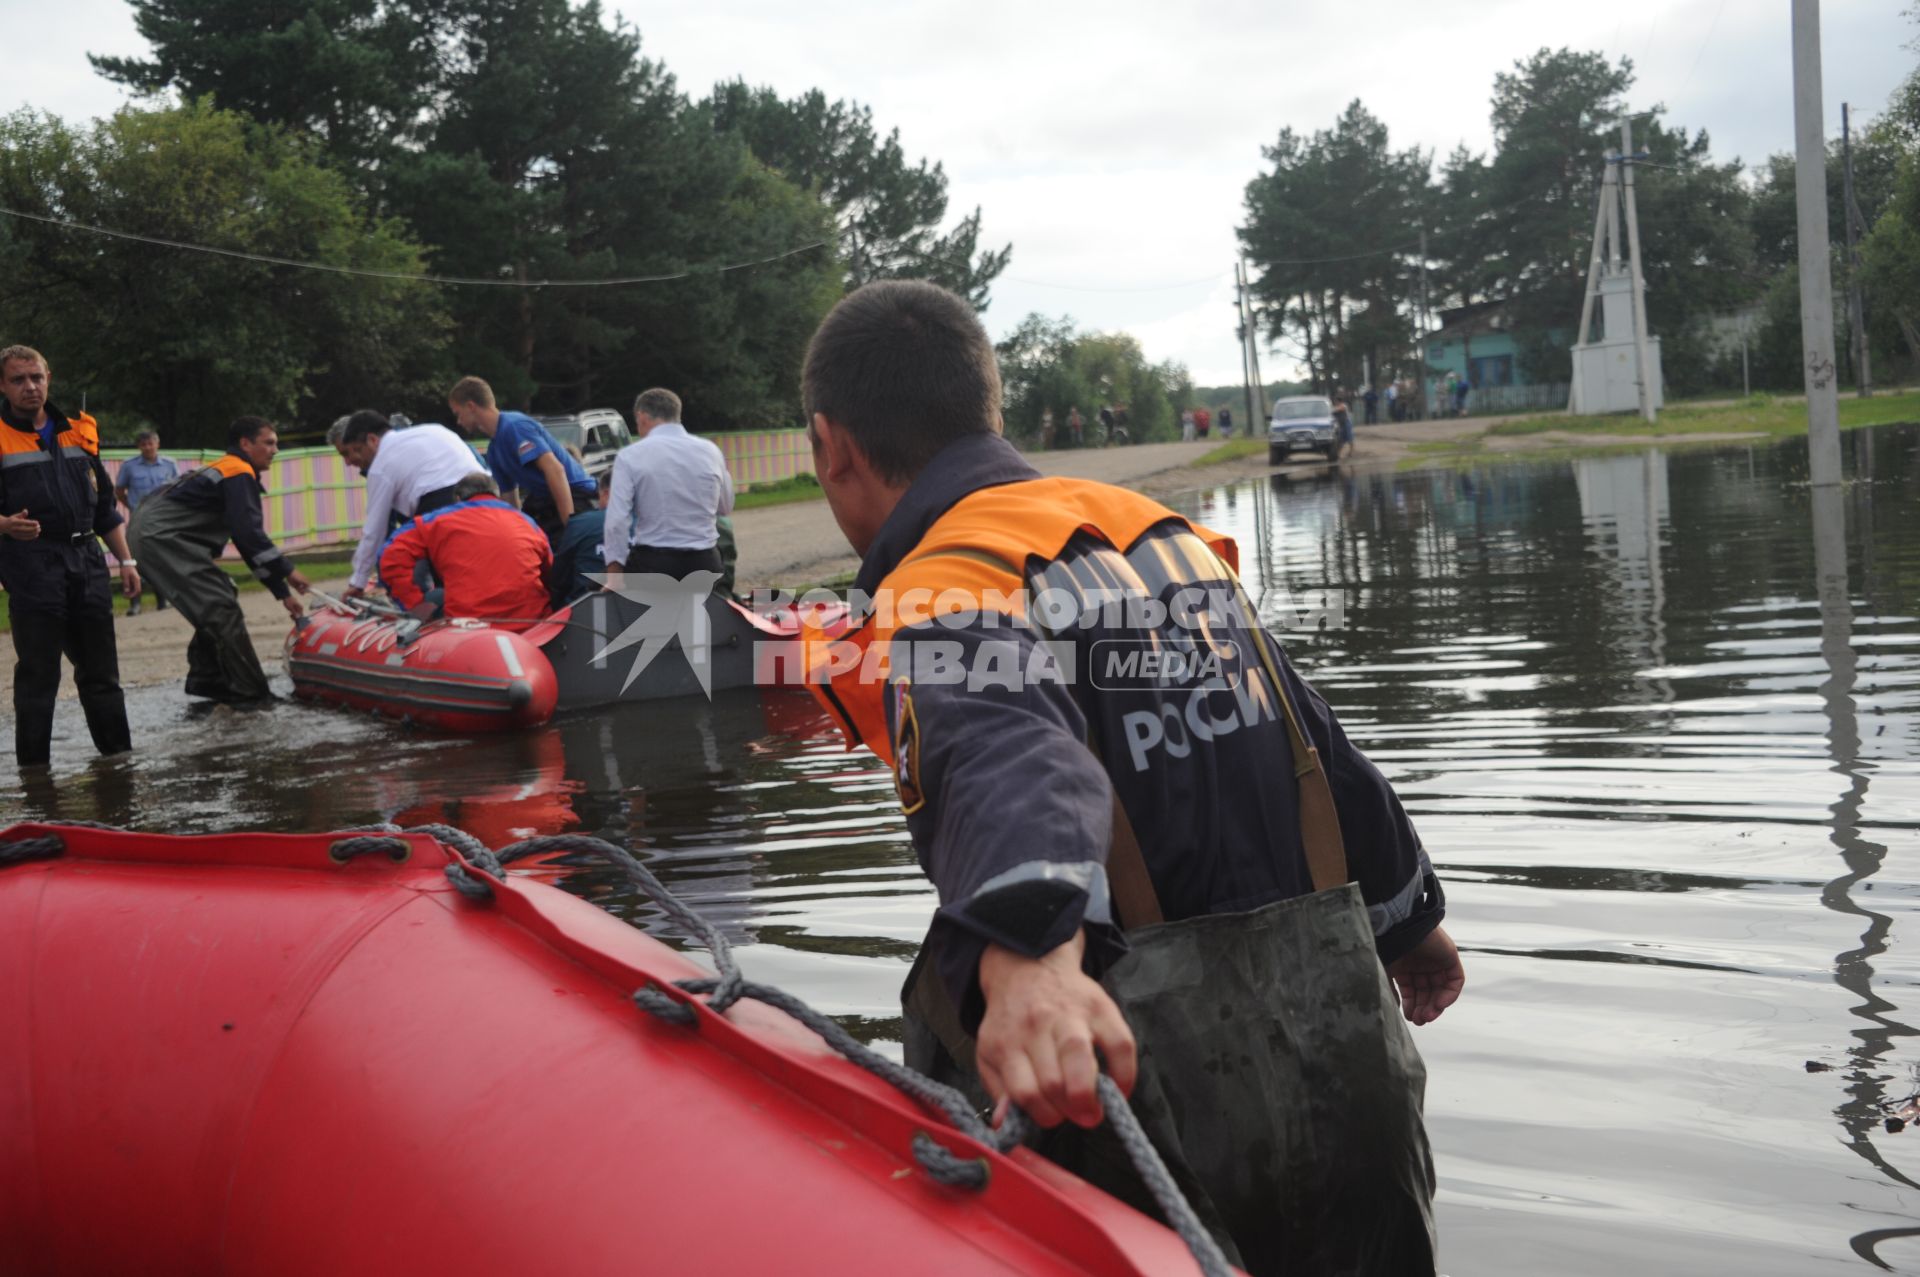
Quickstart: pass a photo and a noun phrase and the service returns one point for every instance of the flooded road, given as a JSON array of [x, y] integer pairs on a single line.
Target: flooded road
[[1654, 715]]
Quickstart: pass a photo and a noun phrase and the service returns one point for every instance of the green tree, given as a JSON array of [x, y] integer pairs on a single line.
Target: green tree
[[186, 340], [1330, 232], [887, 209], [355, 73], [1517, 227], [1048, 364]]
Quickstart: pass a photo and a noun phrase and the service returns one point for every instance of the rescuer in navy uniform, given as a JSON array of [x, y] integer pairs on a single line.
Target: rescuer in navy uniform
[[56, 503], [183, 528], [1183, 865]]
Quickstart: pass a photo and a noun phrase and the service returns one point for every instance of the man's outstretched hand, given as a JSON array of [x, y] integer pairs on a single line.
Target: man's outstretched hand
[[1036, 1046], [1428, 977]]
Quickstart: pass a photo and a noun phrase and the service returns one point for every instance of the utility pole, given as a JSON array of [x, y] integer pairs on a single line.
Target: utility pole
[[1253, 342], [1643, 365], [1856, 294], [1425, 320], [1816, 275], [1240, 309]]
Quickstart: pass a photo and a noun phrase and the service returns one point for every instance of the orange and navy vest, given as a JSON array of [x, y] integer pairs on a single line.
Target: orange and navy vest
[[60, 487], [984, 547]]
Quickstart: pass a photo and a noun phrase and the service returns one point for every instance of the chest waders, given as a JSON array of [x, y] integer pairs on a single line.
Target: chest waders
[[175, 543], [1278, 1079]]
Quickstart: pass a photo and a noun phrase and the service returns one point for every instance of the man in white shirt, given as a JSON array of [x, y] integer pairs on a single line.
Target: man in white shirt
[[669, 488], [417, 471]]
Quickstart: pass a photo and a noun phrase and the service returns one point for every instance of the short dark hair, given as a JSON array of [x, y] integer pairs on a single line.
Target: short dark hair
[[661, 405], [145, 435], [471, 390], [363, 423], [247, 429], [475, 483], [905, 368]]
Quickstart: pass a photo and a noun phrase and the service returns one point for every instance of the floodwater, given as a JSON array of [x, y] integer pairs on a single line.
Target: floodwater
[[1654, 715]]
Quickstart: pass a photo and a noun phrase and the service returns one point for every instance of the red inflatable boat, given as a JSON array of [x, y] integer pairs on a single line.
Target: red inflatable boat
[[238, 1055], [458, 675], [465, 676]]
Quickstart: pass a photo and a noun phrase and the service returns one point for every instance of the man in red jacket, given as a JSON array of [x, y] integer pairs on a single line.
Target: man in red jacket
[[493, 559]]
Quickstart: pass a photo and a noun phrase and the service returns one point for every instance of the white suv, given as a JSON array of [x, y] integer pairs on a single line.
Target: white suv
[[599, 434]]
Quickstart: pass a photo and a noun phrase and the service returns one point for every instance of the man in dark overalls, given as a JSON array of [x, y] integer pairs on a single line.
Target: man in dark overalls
[[56, 503], [1152, 841], [183, 528]]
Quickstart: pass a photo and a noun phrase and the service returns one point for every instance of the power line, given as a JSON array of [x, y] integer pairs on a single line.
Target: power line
[[1095, 288], [1711, 28], [404, 276]]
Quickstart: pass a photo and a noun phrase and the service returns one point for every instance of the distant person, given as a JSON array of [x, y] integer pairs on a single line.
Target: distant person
[[578, 555], [1076, 426], [408, 471], [1371, 398], [1202, 422], [56, 504], [1106, 424], [669, 490], [1226, 424], [524, 459], [493, 559], [139, 477], [1186, 425], [1396, 410], [1046, 429], [1461, 389], [1342, 428], [182, 531]]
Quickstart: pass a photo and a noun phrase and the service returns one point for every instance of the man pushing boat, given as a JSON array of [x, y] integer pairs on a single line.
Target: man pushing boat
[[179, 532], [1152, 841]]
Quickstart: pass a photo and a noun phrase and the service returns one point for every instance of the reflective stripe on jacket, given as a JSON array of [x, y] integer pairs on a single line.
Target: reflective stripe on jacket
[[66, 489]]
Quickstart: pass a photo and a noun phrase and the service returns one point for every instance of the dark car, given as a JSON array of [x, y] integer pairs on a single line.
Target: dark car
[[1302, 424]]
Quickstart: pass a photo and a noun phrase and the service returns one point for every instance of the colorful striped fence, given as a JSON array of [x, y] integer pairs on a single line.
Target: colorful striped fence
[[315, 499]]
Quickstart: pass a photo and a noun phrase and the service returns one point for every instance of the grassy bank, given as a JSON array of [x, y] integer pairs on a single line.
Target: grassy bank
[[1562, 435], [801, 487], [1761, 414], [1232, 450], [316, 570]]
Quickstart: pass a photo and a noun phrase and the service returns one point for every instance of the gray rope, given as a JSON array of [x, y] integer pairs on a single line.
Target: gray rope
[[1173, 1203], [346, 849], [941, 1163], [17, 851]]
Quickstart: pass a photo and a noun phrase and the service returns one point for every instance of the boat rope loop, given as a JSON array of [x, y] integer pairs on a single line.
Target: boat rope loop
[[17, 851], [940, 1162]]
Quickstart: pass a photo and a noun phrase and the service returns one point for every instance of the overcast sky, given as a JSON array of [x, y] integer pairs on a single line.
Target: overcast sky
[[1110, 142]]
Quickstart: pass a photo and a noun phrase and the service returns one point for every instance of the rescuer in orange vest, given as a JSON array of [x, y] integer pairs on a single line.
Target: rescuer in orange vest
[[183, 528], [1152, 841], [56, 504]]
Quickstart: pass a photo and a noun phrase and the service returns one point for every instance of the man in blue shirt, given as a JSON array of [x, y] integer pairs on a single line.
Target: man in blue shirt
[[523, 457], [139, 477]]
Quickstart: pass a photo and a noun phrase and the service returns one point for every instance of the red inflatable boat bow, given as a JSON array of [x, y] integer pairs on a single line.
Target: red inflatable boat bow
[[238, 1054]]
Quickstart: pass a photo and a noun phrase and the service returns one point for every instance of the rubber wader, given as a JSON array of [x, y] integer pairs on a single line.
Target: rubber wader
[[1278, 1078], [176, 545]]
